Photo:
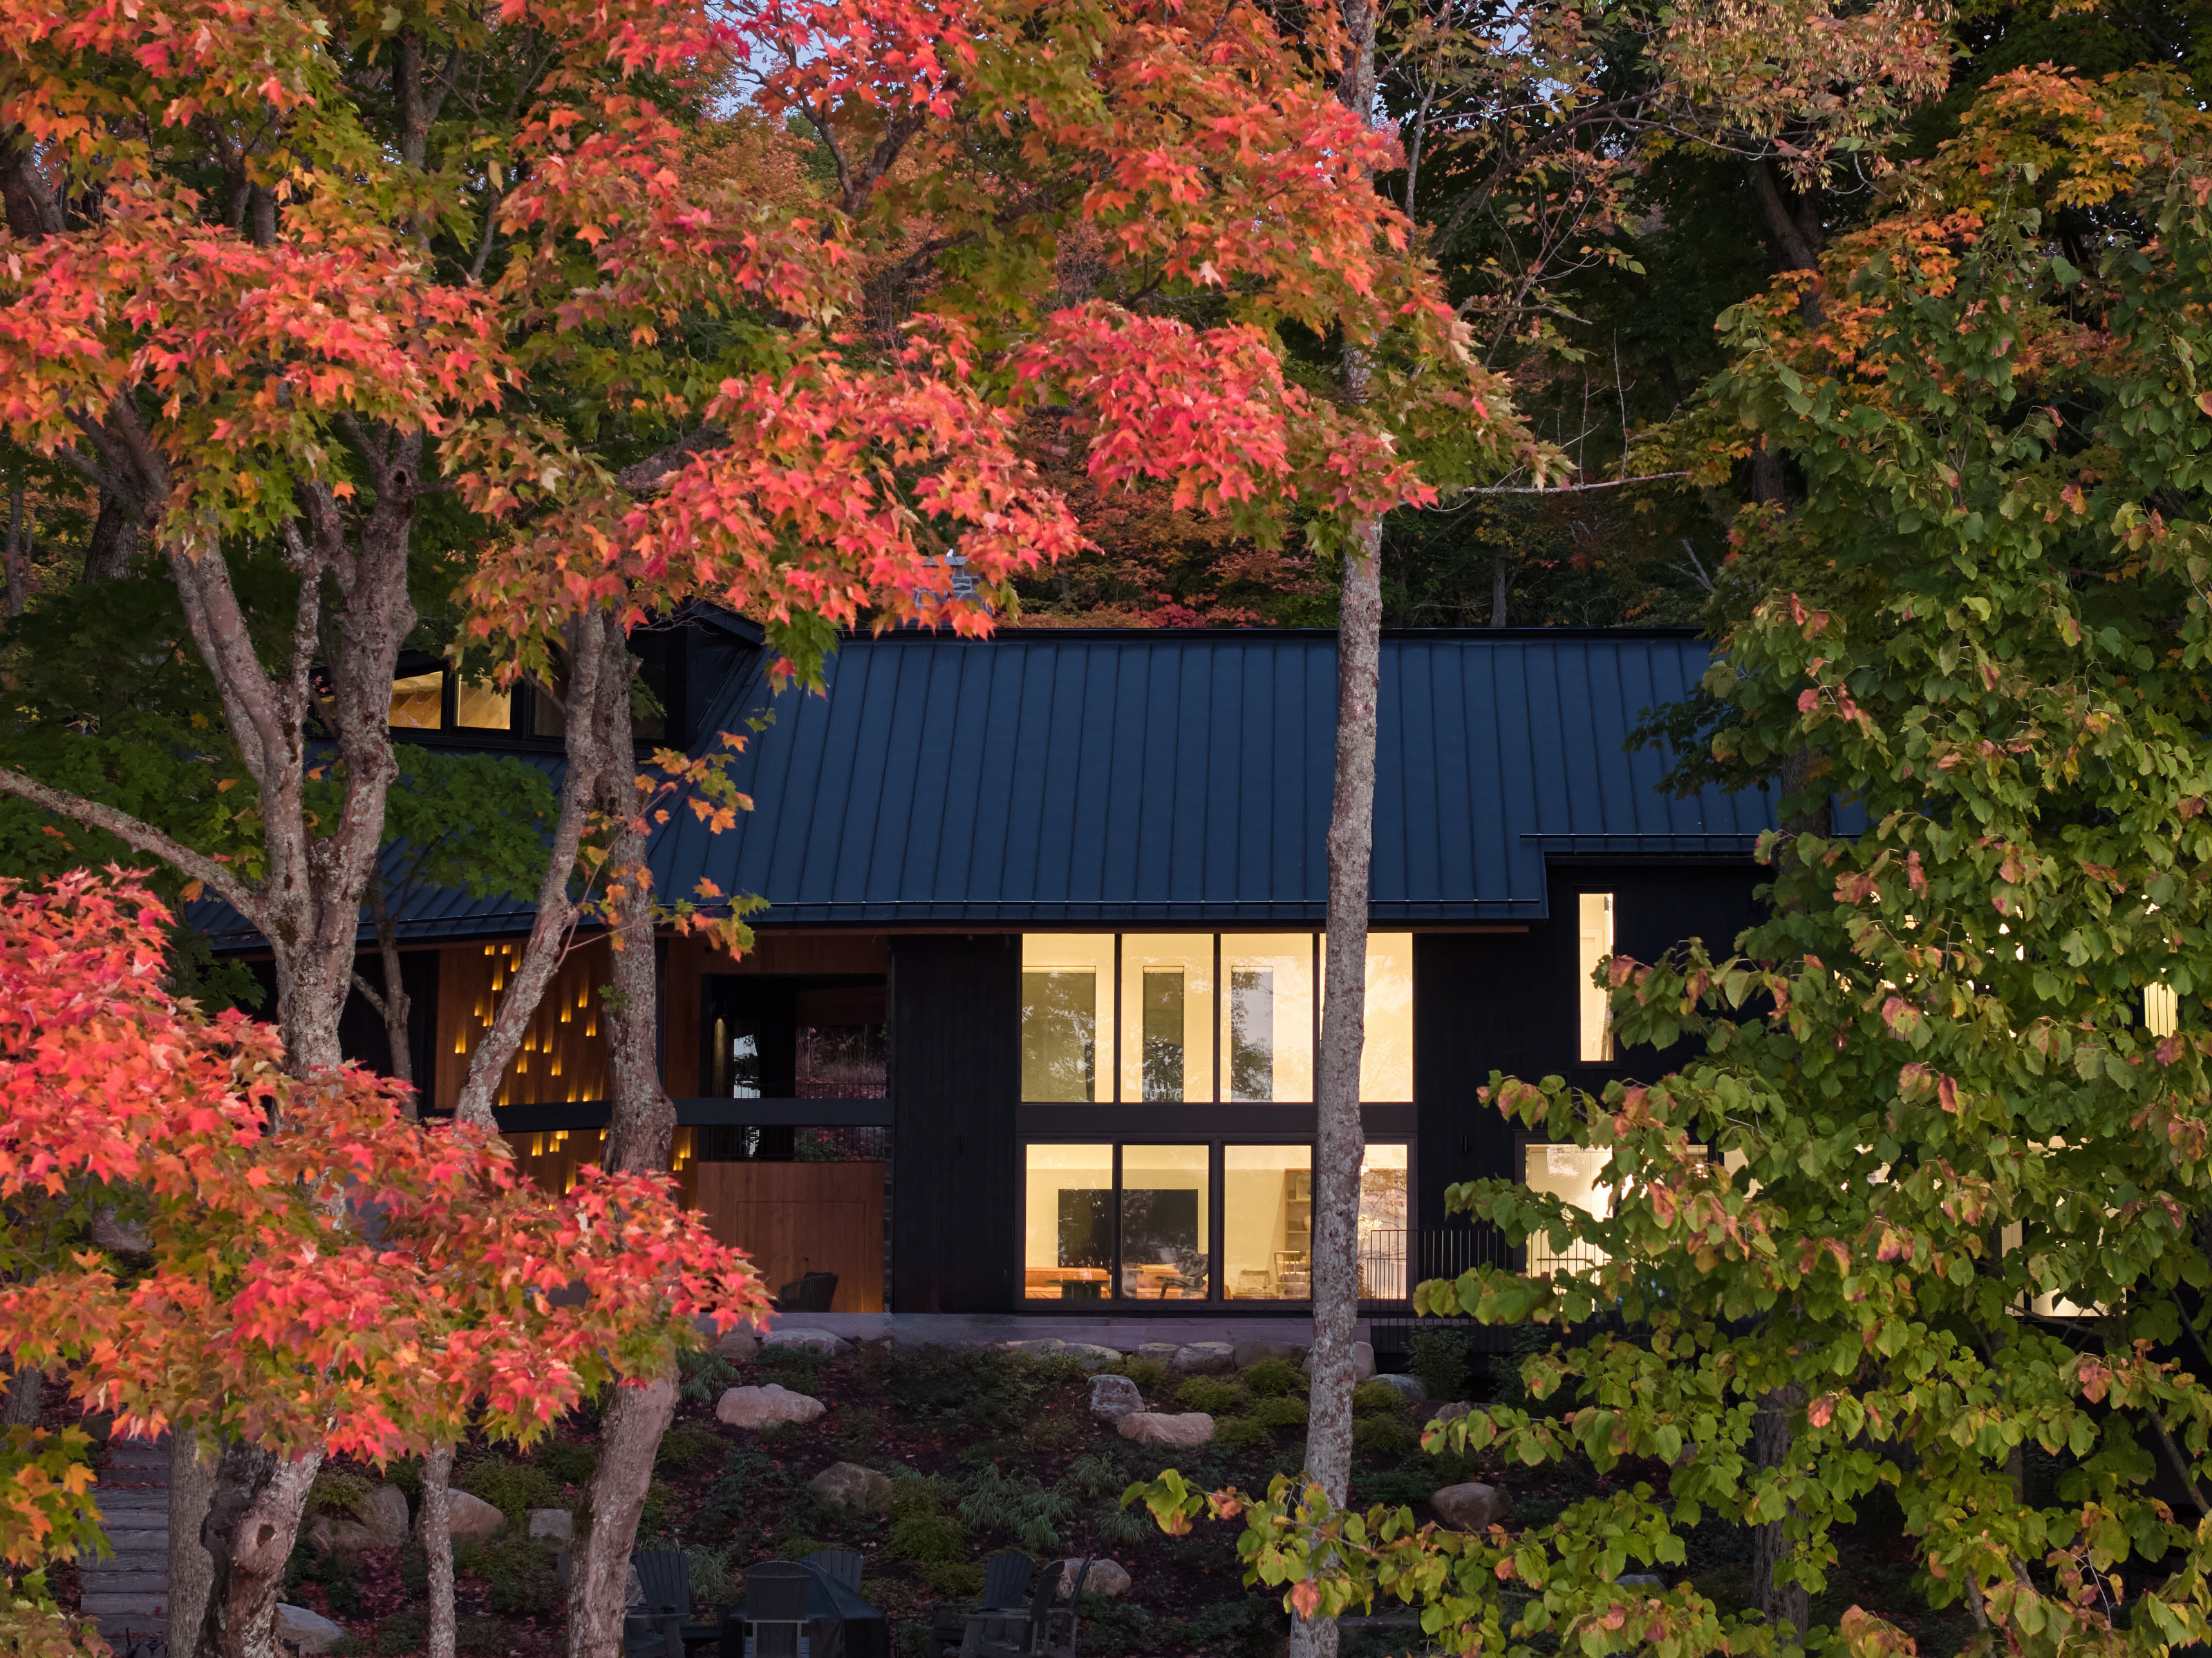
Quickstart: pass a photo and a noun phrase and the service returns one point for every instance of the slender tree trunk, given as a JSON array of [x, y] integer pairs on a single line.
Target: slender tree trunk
[[25, 1387], [19, 552], [1339, 1142], [599, 1579], [395, 1004], [1501, 588], [1788, 1607], [114, 541], [192, 1572], [437, 1529], [249, 1531]]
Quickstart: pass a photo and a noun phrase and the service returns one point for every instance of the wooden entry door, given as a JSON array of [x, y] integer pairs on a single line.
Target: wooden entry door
[[795, 1217]]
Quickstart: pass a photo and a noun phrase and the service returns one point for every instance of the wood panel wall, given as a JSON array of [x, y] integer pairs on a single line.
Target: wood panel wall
[[796, 1217], [564, 1055], [690, 960]]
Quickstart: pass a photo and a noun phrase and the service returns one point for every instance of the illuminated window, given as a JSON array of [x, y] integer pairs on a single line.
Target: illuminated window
[[479, 705], [1266, 1017], [1164, 1245], [2161, 1011], [1167, 998], [1067, 1012], [1574, 1174], [418, 702], [1067, 1251], [1266, 1228], [1593, 943], [1386, 1062], [1382, 1216]]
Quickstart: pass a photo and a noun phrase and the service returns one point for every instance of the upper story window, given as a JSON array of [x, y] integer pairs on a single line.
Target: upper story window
[[1593, 943], [440, 700], [1193, 1018]]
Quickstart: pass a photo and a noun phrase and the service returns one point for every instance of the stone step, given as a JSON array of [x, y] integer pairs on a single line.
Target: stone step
[[136, 1560], [154, 1583], [111, 1500], [152, 1541], [144, 1605]]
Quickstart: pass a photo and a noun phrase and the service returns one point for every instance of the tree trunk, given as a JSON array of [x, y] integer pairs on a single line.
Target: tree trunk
[[114, 541], [397, 1009], [1788, 1607], [1501, 586], [192, 1572], [249, 1531], [438, 1544], [25, 1388], [19, 552], [599, 1579]]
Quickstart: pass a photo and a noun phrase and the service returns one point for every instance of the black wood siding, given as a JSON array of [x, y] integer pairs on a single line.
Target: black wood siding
[[954, 1078], [1505, 1001]]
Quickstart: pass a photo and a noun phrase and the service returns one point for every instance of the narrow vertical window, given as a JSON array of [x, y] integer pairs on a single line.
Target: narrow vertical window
[[1163, 1033], [1166, 1253], [1068, 1255], [1251, 1033], [1593, 944], [2161, 1011], [1266, 1017], [418, 701]]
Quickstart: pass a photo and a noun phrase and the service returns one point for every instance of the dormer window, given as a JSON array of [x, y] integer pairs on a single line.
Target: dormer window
[[418, 702], [437, 700]]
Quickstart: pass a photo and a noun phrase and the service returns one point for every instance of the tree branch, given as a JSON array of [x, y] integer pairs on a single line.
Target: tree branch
[[1565, 488], [143, 837]]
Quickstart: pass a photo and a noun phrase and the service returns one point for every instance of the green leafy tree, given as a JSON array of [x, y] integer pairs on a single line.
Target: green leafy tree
[[1934, 1193]]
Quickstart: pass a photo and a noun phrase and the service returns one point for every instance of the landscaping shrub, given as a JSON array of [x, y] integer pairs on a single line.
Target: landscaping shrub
[[914, 1640], [1438, 1359], [402, 1632], [953, 1579], [799, 1369], [920, 1493], [715, 1579], [512, 1488], [700, 1378], [796, 1547], [414, 1569], [334, 1571], [1283, 1411], [1384, 1436], [1215, 1395], [1126, 1528], [687, 1445], [1146, 1373], [566, 1461], [1395, 1488], [1096, 1474], [1017, 1505], [479, 1635], [988, 1387], [659, 1497], [1272, 1378], [1050, 1431], [924, 1536], [1115, 1625], [336, 1492], [1240, 1432], [859, 1428], [1374, 1398], [749, 1484], [516, 1573]]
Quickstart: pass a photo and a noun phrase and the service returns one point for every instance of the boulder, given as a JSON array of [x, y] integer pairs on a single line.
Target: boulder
[[765, 1406], [1471, 1507], [552, 1525], [849, 1486], [1160, 1352], [1451, 1412], [1113, 1397], [1091, 1357], [380, 1523], [472, 1520], [1204, 1358], [1107, 1577], [1362, 1362], [1641, 1580], [1249, 1353], [738, 1346], [1179, 1432], [308, 1632], [825, 1342], [1041, 1346], [1407, 1387]]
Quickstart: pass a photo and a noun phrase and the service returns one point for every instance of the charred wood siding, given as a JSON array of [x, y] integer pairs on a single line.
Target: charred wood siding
[[955, 1071]]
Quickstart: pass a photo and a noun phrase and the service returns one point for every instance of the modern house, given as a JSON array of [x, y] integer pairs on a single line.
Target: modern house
[[1031, 1019]]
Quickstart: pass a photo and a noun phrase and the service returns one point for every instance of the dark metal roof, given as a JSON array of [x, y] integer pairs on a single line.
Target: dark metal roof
[[1183, 777], [1176, 778]]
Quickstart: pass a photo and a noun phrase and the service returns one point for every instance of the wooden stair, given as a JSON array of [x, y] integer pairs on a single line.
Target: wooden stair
[[127, 1595]]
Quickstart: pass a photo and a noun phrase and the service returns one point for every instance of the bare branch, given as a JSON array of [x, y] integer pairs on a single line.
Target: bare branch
[[142, 837], [370, 994], [1565, 488]]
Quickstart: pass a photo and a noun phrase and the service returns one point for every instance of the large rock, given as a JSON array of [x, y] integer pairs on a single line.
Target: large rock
[[1043, 1346], [1180, 1432], [825, 1342], [1091, 1357], [1160, 1352], [1407, 1387], [472, 1520], [1249, 1353], [849, 1486], [1106, 1577], [1204, 1358], [309, 1631], [1451, 1412], [552, 1526], [1362, 1362], [1471, 1507], [1113, 1397], [738, 1346], [765, 1406], [380, 1523]]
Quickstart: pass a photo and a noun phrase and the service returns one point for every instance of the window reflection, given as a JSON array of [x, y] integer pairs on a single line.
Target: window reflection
[[1066, 1008], [1163, 1228], [1167, 982], [1266, 1017], [479, 705], [1067, 1250], [418, 702], [1382, 1213]]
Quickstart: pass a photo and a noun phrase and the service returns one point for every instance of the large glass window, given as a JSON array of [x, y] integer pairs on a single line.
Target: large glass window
[[1067, 1013], [418, 701], [480, 705], [1383, 1218], [1266, 1017], [1572, 1172], [1593, 943], [1167, 998], [1386, 1065], [1068, 1252], [1266, 1231], [1165, 1240]]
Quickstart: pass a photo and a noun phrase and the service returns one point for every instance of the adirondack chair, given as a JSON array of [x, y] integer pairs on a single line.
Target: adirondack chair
[[1043, 1629], [1006, 1578], [776, 1606], [841, 1566], [655, 1629]]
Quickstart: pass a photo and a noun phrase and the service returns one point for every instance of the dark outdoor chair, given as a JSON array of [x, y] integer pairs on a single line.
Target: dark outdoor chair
[[1041, 1629], [666, 1575], [841, 1566], [776, 1606], [1060, 1625], [652, 1634], [1006, 1578], [809, 1293]]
